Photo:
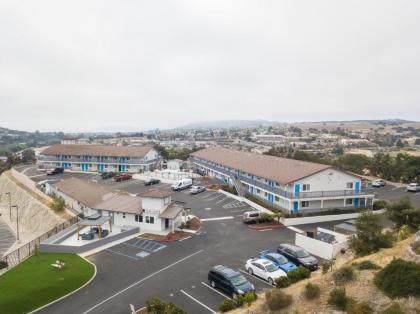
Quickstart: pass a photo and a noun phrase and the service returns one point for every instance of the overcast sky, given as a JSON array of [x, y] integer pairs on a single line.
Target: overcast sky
[[98, 65]]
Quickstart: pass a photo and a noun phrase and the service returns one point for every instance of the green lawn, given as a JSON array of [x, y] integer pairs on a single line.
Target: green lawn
[[35, 282]]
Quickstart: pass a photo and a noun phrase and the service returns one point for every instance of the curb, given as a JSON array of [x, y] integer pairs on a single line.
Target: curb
[[70, 293], [268, 227]]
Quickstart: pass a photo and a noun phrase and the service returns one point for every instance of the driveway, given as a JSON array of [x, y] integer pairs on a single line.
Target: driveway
[[394, 193]]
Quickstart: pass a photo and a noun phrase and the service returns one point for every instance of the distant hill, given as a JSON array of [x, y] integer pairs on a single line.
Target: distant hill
[[227, 124]]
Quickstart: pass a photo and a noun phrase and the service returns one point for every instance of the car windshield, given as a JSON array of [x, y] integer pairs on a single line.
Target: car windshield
[[281, 259], [302, 253], [271, 267], [238, 280]]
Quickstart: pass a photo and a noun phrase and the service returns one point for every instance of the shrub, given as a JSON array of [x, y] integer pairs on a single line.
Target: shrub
[[402, 233], [157, 306], [338, 298], [354, 307], [393, 309], [365, 265], [379, 204], [298, 274], [250, 297], [265, 217], [283, 282], [326, 267], [3, 264], [343, 275], [229, 189], [312, 291], [227, 305], [276, 299], [58, 204], [399, 279]]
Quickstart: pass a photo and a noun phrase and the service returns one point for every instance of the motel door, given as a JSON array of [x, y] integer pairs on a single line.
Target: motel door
[[166, 223]]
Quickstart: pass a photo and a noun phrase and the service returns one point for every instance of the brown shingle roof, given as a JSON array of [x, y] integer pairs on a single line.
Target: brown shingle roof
[[120, 202], [171, 212], [86, 192], [281, 170], [97, 150], [157, 193]]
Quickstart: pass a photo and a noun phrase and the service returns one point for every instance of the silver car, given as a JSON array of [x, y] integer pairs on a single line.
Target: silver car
[[195, 189]]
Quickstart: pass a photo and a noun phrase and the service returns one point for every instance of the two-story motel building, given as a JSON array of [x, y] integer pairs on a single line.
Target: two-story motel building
[[291, 185], [99, 158]]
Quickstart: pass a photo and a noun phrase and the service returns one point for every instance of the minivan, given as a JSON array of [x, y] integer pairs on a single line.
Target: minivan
[[229, 281], [298, 256]]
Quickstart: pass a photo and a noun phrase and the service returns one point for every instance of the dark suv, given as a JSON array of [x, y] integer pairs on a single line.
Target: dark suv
[[298, 256], [229, 281]]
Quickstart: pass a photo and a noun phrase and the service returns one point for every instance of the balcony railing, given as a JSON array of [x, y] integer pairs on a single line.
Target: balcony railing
[[283, 193], [95, 160]]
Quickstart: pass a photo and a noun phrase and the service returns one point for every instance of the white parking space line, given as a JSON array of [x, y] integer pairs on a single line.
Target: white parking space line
[[239, 210], [215, 197], [222, 200], [253, 276], [142, 280], [208, 195], [396, 188], [218, 218], [222, 294], [194, 299]]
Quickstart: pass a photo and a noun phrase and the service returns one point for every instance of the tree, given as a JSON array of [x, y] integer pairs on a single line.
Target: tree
[[353, 162], [58, 204], [28, 156], [369, 235], [157, 306], [403, 213]]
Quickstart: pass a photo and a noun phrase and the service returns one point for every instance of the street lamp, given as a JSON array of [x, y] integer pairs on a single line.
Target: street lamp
[[17, 221]]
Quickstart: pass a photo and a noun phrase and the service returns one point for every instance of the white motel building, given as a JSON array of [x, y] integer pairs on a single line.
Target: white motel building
[[293, 186], [99, 158]]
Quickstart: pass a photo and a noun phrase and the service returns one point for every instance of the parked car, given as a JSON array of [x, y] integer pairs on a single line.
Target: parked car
[[195, 189], [229, 281], [151, 181], [279, 260], [108, 175], [298, 256], [413, 187], [378, 183], [123, 177], [251, 216], [181, 184], [55, 171], [264, 269]]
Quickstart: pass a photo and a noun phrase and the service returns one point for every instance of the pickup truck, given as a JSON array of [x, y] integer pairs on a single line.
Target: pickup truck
[[123, 177]]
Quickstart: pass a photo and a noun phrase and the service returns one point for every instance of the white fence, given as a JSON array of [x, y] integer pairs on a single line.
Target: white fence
[[166, 176], [320, 248]]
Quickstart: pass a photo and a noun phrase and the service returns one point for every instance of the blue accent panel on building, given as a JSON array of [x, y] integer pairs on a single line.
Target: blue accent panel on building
[[357, 186], [297, 189], [356, 202], [295, 206]]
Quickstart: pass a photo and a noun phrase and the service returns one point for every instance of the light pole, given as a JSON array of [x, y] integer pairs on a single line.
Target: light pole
[[17, 221]]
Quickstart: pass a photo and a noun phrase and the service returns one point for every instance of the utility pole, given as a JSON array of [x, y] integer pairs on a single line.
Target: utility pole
[[17, 221]]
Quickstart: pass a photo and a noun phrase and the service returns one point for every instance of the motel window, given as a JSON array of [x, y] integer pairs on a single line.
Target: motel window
[[258, 191], [123, 215], [150, 219], [139, 218], [306, 187], [277, 199], [349, 201], [305, 204], [349, 185]]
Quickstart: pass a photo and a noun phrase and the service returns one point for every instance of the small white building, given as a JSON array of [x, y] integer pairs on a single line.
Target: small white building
[[175, 164], [154, 211]]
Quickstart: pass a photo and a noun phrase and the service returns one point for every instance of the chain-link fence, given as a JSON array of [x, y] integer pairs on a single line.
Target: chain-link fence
[[15, 257]]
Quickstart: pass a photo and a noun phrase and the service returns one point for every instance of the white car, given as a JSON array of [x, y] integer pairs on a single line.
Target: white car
[[378, 183], [413, 187], [264, 269]]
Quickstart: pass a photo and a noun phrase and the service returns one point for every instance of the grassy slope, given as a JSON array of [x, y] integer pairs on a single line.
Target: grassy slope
[[35, 282]]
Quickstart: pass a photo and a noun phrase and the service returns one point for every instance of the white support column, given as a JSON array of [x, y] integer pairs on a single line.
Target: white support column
[[322, 204]]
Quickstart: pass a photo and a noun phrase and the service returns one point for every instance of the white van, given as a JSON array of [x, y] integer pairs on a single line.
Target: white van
[[181, 184]]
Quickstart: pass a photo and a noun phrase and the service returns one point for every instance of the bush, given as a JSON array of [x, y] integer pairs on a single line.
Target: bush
[[326, 267], [227, 305], [265, 217], [343, 275], [157, 306], [229, 189], [276, 299], [250, 297], [402, 233], [393, 309], [338, 298], [365, 265], [312, 291], [298, 274], [399, 279], [3, 264], [283, 282], [354, 307], [58, 204], [379, 204]]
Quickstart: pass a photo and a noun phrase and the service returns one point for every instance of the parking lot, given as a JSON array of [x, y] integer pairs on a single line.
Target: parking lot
[[132, 272], [394, 193]]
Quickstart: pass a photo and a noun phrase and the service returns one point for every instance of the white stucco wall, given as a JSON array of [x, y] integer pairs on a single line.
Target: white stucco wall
[[327, 180]]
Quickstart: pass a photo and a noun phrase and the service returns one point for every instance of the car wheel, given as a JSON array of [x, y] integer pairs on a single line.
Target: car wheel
[[213, 284], [271, 281], [250, 271]]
